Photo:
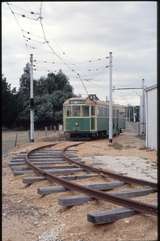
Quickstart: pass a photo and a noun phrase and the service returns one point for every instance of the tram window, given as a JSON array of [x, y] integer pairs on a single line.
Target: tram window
[[85, 110], [98, 111], [68, 110], [113, 113], [92, 123], [92, 110], [75, 110], [102, 111], [105, 111]]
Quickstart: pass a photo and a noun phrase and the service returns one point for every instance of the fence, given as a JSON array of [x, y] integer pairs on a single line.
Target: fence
[[11, 139], [133, 127]]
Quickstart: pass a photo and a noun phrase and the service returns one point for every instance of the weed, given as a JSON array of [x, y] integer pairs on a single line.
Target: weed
[[128, 146], [142, 148], [117, 146]]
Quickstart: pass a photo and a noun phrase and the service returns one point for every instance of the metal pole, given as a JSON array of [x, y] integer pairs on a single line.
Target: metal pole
[[135, 114], [146, 109], [31, 101], [110, 95], [143, 113]]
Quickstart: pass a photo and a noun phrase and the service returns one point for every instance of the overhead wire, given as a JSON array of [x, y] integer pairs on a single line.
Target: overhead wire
[[16, 6], [16, 19], [95, 73], [27, 39], [91, 61], [44, 37], [25, 16], [55, 53]]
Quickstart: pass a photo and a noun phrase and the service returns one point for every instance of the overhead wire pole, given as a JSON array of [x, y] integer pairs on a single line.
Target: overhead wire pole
[[110, 98], [31, 101], [143, 109]]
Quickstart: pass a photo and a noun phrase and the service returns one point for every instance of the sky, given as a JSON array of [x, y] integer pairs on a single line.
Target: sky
[[82, 34]]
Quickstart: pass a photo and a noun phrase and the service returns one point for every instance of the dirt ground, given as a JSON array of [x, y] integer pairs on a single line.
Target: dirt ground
[[28, 217]]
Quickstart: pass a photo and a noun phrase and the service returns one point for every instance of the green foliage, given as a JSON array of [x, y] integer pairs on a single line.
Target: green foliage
[[49, 95], [9, 104]]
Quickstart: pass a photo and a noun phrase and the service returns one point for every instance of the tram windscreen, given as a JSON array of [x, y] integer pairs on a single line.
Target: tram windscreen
[[85, 110], [67, 110], [75, 110]]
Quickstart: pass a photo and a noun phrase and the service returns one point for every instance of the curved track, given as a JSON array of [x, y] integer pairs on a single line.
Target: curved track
[[135, 205]]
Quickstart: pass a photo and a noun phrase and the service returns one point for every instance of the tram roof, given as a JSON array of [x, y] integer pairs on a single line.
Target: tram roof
[[89, 100], [82, 100]]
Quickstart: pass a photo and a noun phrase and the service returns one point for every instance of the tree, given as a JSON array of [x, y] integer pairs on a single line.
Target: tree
[[55, 89], [23, 99], [50, 92], [9, 104]]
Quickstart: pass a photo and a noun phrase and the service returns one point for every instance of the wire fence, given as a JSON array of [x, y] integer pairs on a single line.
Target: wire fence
[[133, 127], [11, 139]]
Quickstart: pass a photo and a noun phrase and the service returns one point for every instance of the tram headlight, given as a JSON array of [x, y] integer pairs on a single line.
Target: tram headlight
[[76, 124]]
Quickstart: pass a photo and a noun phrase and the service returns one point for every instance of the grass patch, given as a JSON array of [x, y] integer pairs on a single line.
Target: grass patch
[[143, 148], [142, 137], [117, 146], [128, 146], [144, 158]]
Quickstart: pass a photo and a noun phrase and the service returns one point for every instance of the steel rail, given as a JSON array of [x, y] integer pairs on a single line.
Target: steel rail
[[111, 174], [99, 170], [138, 206]]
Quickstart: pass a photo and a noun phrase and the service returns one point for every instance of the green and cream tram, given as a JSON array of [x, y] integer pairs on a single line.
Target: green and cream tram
[[89, 117]]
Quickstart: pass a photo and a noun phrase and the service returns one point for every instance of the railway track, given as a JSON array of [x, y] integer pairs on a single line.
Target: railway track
[[62, 166]]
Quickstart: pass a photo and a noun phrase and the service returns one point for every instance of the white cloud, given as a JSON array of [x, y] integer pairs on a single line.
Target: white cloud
[[86, 30]]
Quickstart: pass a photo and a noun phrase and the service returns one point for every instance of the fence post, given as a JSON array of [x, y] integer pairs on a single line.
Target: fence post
[[138, 128], [29, 135], [15, 143], [45, 130]]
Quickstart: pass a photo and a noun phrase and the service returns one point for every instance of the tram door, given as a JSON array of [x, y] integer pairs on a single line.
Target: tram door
[[93, 118]]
